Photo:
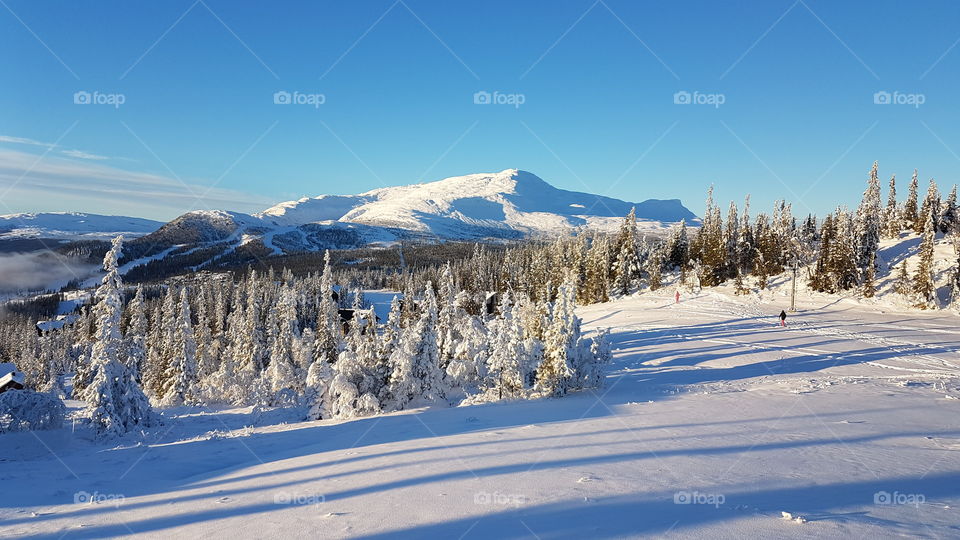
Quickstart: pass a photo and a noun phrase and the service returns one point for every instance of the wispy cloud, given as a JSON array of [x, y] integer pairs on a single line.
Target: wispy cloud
[[23, 140], [56, 183], [80, 154]]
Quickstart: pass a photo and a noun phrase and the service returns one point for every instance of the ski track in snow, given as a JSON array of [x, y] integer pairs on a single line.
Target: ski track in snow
[[714, 423]]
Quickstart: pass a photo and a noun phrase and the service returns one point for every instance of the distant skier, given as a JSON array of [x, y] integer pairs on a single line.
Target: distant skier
[[783, 318], [677, 296]]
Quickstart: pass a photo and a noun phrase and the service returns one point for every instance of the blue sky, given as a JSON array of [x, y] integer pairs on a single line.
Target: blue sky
[[198, 126]]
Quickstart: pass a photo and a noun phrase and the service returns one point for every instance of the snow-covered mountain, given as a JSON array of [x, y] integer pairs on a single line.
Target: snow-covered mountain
[[510, 204], [505, 204], [72, 226]]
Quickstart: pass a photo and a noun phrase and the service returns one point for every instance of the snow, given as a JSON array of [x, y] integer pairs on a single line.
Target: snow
[[475, 205], [715, 422], [73, 226]]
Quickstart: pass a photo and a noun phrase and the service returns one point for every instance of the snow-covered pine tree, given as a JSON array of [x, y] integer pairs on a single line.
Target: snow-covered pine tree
[[923, 287], [627, 264], [115, 401], [731, 240], [902, 285], [911, 213], [948, 212], [654, 268], [181, 374], [746, 247], [503, 378], [598, 270], [554, 374], [446, 336], [930, 206], [869, 278], [282, 379], [416, 371], [678, 248], [135, 353], [891, 215], [867, 222], [329, 331]]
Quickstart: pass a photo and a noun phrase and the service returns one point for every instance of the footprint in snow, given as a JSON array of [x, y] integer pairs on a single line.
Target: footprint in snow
[[222, 500], [585, 479]]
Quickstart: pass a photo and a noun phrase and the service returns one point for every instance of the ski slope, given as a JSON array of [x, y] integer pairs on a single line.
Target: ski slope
[[713, 424]]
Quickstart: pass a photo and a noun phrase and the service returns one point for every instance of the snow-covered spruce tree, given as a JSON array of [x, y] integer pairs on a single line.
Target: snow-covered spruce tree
[[329, 331], [592, 374], [597, 283], [955, 278], [948, 212], [627, 265], [731, 237], [135, 351], [868, 289], [843, 255], [180, 377], [282, 381], [867, 222], [911, 213], [356, 382], [709, 247], [468, 367], [902, 285], [319, 377], [923, 287], [891, 215], [746, 246], [416, 370], [931, 206], [116, 403], [503, 376], [554, 374], [678, 248], [446, 336], [206, 346], [654, 266]]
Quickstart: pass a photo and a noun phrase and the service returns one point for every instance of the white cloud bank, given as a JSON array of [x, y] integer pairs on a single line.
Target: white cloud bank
[[53, 183]]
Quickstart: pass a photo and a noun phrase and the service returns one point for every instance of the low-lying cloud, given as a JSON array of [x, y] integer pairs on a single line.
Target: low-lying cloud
[[39, 270]]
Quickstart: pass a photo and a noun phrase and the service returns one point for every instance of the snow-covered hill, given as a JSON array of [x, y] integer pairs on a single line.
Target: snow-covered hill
[[510, 204], [506, 203], [72, 226], [713, 423]]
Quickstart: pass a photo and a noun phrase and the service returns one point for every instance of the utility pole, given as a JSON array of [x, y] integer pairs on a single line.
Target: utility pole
[[793, 292]]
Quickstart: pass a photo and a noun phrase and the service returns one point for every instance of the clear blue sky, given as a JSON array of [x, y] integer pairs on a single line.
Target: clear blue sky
[[598, 81]]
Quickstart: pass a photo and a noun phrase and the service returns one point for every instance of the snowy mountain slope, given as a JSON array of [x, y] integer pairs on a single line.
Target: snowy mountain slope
[[713, 422], [511, 202], [72, 226], [508, 205]]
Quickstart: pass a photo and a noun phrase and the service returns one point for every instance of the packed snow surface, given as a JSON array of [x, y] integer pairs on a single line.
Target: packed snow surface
[[714, 423]]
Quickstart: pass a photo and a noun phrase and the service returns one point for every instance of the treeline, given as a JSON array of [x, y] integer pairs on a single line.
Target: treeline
[[280, 340]]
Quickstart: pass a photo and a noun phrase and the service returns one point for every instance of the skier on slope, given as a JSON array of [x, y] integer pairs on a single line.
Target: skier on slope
[[677, 297], [783, 318]]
